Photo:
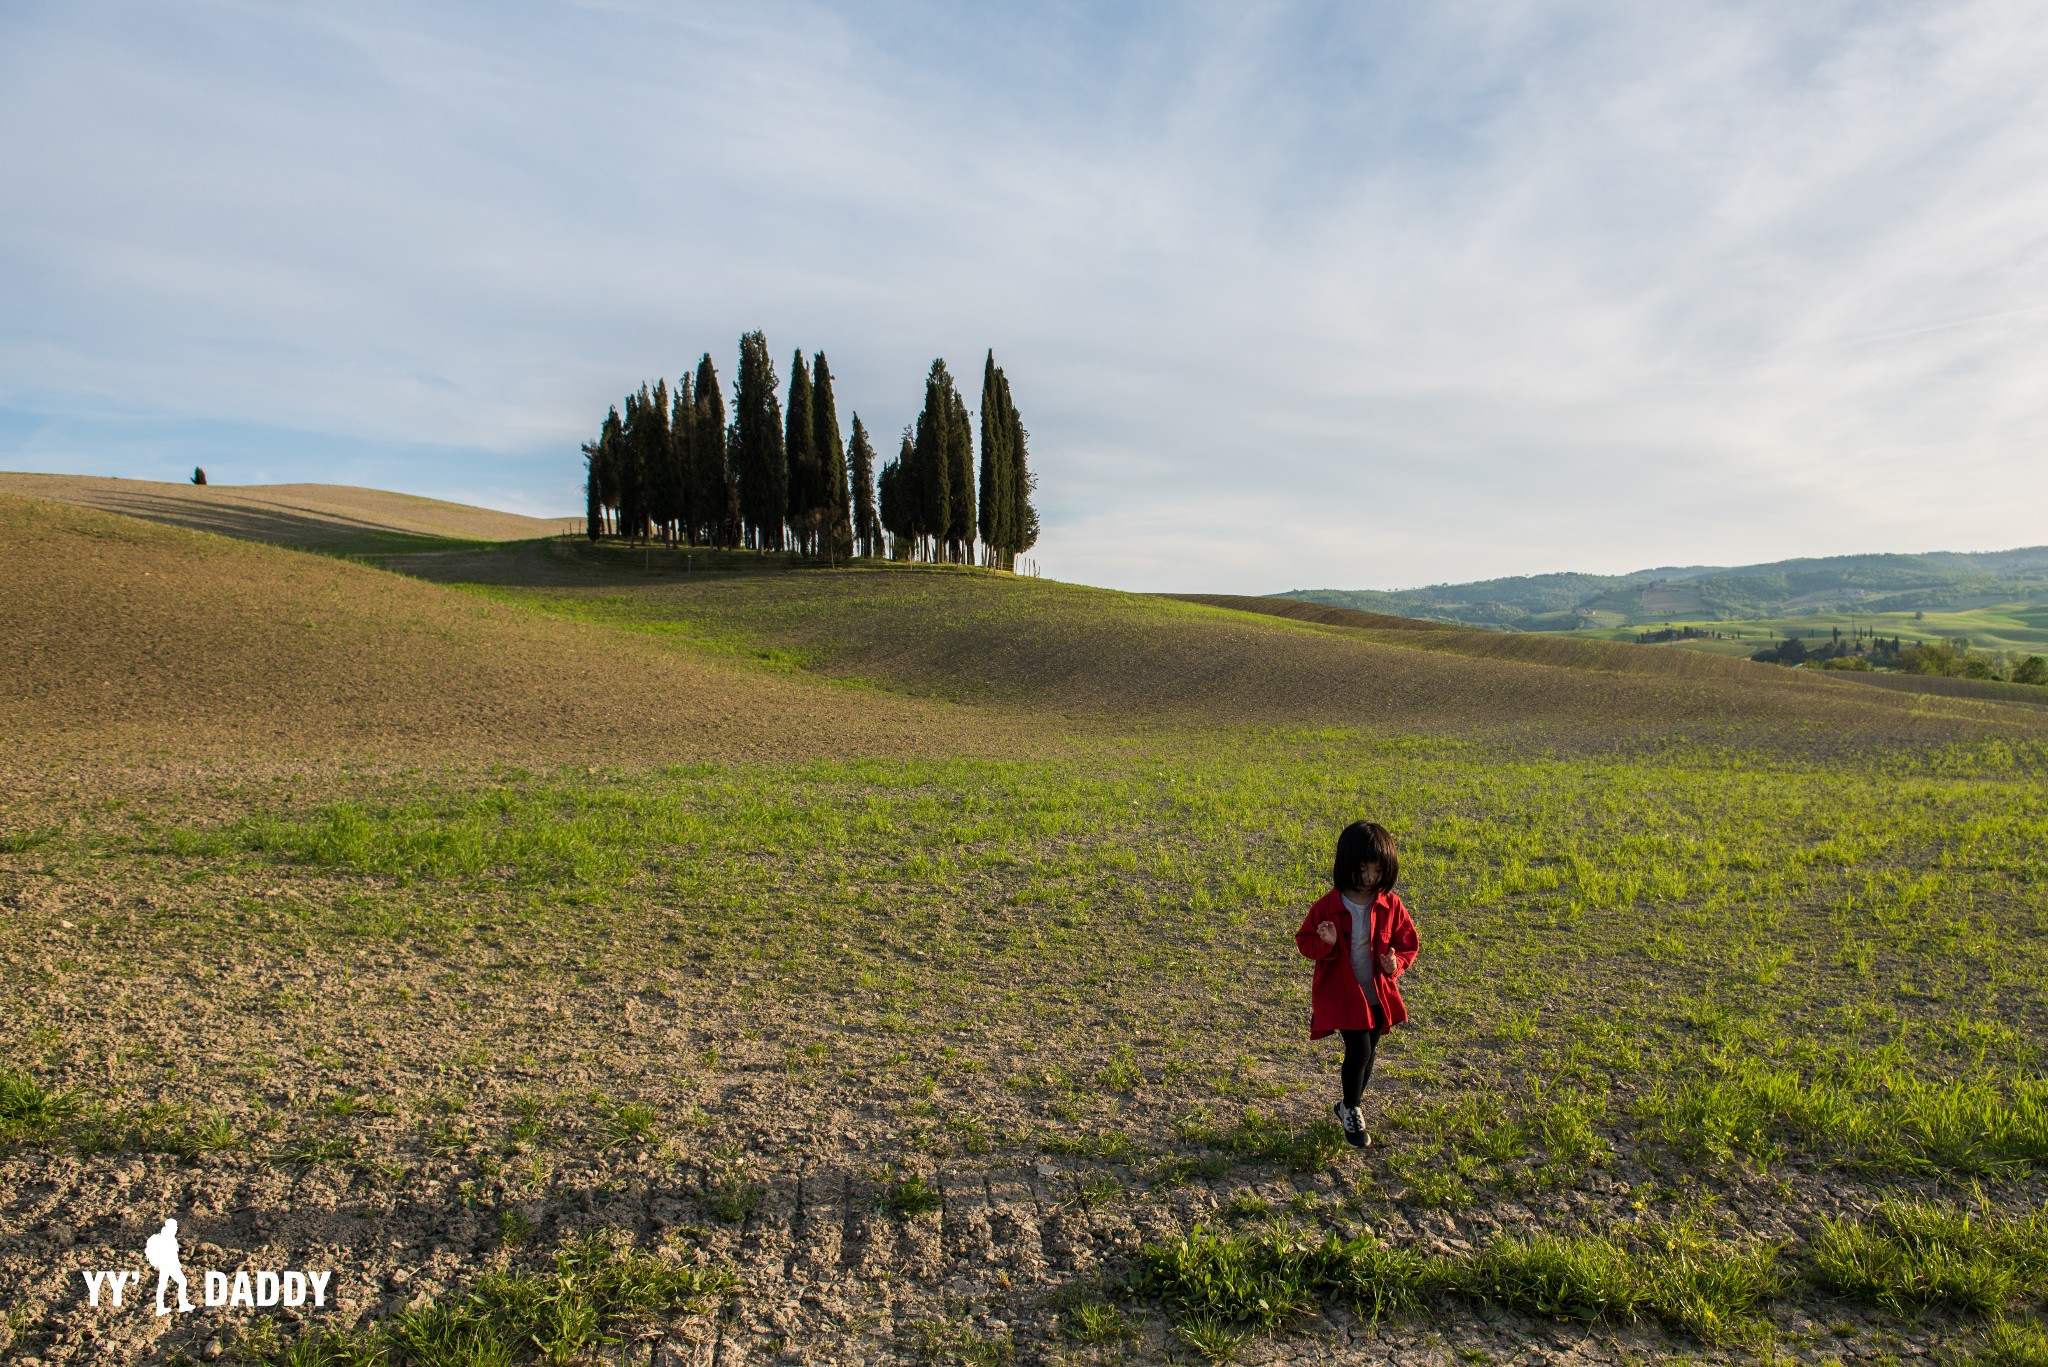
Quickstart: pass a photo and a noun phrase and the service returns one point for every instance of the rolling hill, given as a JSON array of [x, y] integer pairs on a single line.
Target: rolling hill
[[1094, 654], [131, 636], [310, 516], [125, 636], [1864, 584]]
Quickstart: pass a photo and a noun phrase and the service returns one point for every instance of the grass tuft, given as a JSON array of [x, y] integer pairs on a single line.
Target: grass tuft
[[30, 1111], [513, 1318], [1912, 1254], [912, 1196], [1674, 1274]]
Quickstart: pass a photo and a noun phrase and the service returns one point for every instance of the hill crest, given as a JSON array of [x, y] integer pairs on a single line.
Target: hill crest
[[1932, 582]]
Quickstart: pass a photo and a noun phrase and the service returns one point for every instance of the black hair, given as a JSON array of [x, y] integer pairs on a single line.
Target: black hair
[[1362, 843]]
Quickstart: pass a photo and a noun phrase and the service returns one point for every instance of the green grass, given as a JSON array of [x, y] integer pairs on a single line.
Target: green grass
[[912, 1196], [509, 1317], [1912, 1254], [2009, 1343], [1672, 1273], [1857, 1111], [2014, 628]]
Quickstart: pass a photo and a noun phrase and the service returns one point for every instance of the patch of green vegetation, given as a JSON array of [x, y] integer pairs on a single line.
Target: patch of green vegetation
[[1913, 1253], [30, 1112], [594, 1289], [2008, 1343], [1262, 1137], [1673, 1273], [949, 1341], [34, 1115], [911, 1196], [1859, 1111], [629, 1122]]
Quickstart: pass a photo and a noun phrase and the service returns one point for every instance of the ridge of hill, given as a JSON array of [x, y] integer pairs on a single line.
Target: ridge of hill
[[121, 635], [1589, 653], [986, 638], [1940, 581], [333, 517], [126, 635]]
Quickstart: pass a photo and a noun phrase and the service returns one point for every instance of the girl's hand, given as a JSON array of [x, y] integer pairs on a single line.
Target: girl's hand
[[1389, 965], [1327, 930]]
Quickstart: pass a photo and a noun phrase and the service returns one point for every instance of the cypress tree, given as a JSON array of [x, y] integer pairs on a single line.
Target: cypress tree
[[996, 502], [910, 499], [1024, 514], [960, 480], [593, 507], [932, 459], [867, 531], [682, 433], [799, 444], [825, 440], [760, 468], [717, 501], [899, 503], [637, 444], [657, 458], [609, 439]]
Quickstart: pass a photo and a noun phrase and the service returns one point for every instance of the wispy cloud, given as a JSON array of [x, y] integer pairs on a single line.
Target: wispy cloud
[[1290, 294]]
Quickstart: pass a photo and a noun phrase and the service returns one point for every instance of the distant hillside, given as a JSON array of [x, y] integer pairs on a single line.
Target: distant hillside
[[121, 636], [1940, 581], [330, 517]]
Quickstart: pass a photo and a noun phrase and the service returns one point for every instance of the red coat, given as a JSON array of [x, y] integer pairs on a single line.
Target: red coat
[[1336, 1002]]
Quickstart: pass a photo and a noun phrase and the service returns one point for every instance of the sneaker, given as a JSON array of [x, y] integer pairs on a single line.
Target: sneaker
[[1354, 1128]]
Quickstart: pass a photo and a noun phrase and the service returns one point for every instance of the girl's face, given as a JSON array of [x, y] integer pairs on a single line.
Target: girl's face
[[1368, 877]]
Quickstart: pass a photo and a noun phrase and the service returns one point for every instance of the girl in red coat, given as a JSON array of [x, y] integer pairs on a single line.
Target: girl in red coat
[[1362, 940]]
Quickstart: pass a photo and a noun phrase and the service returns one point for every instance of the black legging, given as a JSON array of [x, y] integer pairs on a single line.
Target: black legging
[[1359, 1048]]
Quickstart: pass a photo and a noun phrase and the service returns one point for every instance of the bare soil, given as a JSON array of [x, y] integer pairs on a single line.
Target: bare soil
[[135, 642], [286, 514]]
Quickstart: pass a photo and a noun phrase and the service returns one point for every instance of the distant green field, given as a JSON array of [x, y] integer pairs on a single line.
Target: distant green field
[[2018, 628]]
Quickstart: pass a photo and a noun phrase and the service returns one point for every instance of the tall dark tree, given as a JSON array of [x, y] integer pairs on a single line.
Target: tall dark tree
[[655, 439], [639, 449], [604, 470], [900, 504], [932, 460], [960, 480], [831, 449], [998, 504], [760, 466], [717, 497], [800, 445], [682, 445], [593, 496], [1023, 512], [867, 530]]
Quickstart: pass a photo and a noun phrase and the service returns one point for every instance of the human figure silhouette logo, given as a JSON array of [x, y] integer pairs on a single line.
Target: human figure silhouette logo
[[162, 1253]]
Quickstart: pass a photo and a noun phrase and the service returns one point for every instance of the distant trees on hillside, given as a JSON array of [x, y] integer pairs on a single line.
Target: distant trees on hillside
[[777, 473], [1951, 659]]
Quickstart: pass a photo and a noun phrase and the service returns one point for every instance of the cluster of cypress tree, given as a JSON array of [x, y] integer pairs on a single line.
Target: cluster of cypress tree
[[929, 495], [673, 466]]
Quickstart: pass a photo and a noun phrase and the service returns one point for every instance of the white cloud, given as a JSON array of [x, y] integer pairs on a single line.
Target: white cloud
[[1517, 288]]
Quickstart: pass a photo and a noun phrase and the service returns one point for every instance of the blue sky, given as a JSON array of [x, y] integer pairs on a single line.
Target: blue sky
[[1345, 295]]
